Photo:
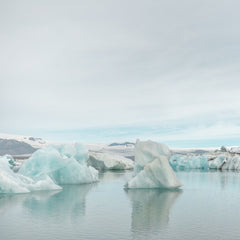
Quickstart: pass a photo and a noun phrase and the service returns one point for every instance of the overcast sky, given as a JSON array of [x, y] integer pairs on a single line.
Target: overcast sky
[[174, 65]]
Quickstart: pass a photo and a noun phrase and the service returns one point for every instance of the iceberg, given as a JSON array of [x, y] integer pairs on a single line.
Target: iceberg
[[225, 162], [46, 169], [64, 164], [235, 149], [217, 160], [11, 182], [152, 169], [183, 162], [104, 161]]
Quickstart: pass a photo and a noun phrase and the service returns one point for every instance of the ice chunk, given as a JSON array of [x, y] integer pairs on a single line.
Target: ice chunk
[[182, 162], [216, 160], [223, 149], [235, 149], [104, 161], [11, 182], [11, 161], [231, 163], [46, 168], [64, 164], [152, 169]]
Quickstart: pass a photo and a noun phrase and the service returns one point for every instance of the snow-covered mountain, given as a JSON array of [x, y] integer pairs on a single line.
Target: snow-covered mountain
[[19, 145], [33, 141]]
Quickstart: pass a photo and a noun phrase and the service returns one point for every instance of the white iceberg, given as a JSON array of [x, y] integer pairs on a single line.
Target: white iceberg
[[152, 169], [104, 161], [217, 162], [234, 149], [225, 162], [64, 164]]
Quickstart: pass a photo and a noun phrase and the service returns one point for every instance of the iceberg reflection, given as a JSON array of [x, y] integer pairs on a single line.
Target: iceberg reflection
[[65, 205], [150, 210], [68, 204]]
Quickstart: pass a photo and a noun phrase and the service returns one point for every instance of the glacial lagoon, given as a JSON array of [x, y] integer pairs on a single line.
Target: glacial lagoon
[[206, 207]]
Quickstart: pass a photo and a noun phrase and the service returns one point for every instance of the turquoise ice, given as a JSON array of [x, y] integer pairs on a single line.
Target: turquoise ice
[[64, 164], [11, 182], [46, 169]]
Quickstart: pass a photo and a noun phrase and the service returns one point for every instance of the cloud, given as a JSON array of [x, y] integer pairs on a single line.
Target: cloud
[[218, 131], [77, 64]]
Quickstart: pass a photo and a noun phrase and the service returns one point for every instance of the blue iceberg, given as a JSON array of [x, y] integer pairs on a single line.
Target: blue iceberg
[[11, 182], [184, 162], [216, 161], [48, 168], [64, 164]]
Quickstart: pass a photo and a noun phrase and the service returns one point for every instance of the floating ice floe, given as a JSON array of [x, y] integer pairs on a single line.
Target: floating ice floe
[[104, 161], [48, 168], [152, 169]]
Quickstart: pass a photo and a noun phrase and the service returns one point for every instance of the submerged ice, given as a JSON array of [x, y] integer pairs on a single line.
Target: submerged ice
[[48, 168], [152, 169]]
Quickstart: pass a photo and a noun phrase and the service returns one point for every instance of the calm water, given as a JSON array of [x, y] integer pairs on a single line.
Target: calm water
[[207, 207]]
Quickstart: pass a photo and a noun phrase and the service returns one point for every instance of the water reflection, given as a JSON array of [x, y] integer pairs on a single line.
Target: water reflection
[[70, 203], [150, 210], [215, 180], [65, 205], [9, 201], [109, 176]]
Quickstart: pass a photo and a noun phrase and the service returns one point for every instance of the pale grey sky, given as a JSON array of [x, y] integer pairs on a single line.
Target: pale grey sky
[[77, 64]]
